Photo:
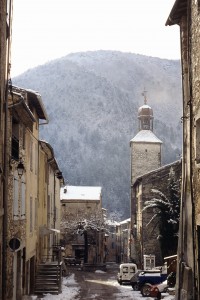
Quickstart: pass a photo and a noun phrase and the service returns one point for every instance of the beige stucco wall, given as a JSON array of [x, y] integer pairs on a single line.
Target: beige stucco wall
[[31, 191]]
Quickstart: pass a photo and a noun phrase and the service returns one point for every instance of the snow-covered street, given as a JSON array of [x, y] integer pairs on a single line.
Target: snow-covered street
[[72, 289]]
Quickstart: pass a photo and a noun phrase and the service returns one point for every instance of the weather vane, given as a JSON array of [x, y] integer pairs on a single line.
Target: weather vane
[[145, 96]]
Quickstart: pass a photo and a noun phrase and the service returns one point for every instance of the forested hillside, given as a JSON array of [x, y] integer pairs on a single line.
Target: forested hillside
[[92, 100]]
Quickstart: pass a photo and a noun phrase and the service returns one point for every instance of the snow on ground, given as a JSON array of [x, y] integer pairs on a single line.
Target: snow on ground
[[70, 291]]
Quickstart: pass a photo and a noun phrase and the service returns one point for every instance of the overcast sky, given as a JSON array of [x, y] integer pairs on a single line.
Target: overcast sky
[[47, 29]]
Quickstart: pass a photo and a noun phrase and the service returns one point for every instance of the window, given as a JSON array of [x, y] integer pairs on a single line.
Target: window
[[23, 137], [36, 210], [132, 269], [36, 159], [15, 139], [31, 154], [125, 270]]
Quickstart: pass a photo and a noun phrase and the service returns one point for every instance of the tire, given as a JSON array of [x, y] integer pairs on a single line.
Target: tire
[[146, 290], [135, 286]]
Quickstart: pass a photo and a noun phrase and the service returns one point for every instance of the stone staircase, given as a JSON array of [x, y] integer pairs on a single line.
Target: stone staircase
[[48, 278]]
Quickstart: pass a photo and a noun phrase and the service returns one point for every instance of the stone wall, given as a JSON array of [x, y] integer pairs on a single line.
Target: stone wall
[[147, 242], [145, 157]]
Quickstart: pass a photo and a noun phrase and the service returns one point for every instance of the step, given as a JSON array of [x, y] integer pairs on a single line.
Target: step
[[43, 283], [41, 292]]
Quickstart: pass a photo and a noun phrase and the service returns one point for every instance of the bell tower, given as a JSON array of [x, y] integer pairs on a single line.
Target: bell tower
[[145, 115], [145, 146]]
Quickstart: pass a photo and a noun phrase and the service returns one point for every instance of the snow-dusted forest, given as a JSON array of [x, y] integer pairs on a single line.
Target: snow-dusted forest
[[92, 100]]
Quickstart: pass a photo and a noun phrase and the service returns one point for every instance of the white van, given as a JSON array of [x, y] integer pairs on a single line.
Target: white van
[[126, 272]]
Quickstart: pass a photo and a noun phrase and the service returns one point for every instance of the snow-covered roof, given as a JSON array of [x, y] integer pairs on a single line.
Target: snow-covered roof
[[146, 136], [70, 192], [144, 106], [125, 221], [112, 222]]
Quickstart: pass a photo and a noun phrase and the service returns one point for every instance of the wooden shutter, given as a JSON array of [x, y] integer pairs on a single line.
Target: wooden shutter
[[15, 198], [23, 198]]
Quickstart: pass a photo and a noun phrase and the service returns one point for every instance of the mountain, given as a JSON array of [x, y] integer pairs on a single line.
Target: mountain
[[92, 100]]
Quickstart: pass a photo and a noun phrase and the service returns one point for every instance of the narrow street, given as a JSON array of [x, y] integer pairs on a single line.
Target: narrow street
[[99, 285]]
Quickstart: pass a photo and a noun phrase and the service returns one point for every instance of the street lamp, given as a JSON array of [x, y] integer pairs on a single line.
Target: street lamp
[[20, 168]]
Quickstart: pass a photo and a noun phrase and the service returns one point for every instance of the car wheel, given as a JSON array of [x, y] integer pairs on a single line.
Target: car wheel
[[135, 286], [146, 289]]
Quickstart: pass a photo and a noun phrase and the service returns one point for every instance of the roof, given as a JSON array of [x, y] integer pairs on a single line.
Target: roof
[[179, 9], [36, 99], [146, 136], [51, 158], [80, 193], [125, 221], [139, 178]]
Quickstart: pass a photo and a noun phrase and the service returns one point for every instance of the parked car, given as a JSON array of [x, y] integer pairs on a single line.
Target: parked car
[[126, 272], [152, 277]]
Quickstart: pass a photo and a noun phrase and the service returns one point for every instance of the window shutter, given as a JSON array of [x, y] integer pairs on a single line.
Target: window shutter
[[15, 198], [31, 214], [23, 198]]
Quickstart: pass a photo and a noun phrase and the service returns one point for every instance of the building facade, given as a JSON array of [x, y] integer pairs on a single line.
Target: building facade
[[123, 241], [5, 46], [145, 234], [145, 146], [186, 14], [82, 223], [145, 157], [25, 202], [48, 218]]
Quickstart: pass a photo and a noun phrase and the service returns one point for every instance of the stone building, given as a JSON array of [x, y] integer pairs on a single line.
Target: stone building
[[111, 241], [186, 14], [145, 146], [81, 207], [144, 237], [26, 206], [48, 217], [145, 150], [123, 241], [5, 46]]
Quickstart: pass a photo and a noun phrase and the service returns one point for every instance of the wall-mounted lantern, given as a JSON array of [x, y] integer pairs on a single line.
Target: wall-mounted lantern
[[20, 168]]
